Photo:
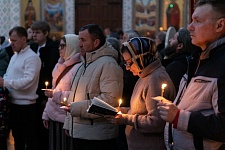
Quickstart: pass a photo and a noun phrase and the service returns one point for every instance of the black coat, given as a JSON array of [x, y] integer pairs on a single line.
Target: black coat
[[176, 67], [49, 56]]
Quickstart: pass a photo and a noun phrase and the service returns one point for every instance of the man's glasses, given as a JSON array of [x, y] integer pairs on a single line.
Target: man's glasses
[[61, 46]]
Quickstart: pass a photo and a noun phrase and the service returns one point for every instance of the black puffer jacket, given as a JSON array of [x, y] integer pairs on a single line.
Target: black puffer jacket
[[4, 62]]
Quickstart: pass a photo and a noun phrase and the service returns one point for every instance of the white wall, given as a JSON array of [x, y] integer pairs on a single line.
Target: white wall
[[127, 15], [10, 15]]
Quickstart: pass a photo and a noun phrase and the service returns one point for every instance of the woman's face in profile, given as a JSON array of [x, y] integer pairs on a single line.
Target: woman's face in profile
[[129, 64]]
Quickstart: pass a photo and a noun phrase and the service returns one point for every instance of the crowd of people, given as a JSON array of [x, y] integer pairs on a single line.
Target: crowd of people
[[46, 87]]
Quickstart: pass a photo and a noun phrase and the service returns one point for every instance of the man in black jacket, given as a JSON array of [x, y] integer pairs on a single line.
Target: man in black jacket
[[47, 50], [198, 120]]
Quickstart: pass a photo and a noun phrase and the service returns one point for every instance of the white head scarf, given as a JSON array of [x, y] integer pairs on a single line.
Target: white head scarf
[[71, 45]]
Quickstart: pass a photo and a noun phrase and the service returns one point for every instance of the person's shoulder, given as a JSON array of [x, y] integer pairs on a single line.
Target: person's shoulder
[[34, 46], [106, 60], [52, 44], [31, 53], [3, 53], [28, 56], [9, 51], [109, 53]]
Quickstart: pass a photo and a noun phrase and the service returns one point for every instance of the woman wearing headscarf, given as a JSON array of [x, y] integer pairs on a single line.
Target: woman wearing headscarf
[[144, 127], [54, 116]]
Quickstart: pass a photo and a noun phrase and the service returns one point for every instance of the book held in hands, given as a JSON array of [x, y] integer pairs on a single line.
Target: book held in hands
[[101, 108]]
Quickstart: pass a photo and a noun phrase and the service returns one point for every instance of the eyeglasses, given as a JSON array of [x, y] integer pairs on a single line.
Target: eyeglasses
[[61, 46], [128, 64]]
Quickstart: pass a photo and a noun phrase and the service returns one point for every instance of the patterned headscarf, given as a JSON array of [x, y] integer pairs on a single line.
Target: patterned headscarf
[[142, 51], [71, 45]]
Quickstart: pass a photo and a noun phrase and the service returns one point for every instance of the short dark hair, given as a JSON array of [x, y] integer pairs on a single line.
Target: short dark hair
[[217, 5], [96, 32], [21, 31], [41, 25]]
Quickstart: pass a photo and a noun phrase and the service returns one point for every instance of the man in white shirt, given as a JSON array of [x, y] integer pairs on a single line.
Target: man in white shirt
[[21, 80]]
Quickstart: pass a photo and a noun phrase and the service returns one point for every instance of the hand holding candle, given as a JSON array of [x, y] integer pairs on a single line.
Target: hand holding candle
[[163, 88], [48, 93], [118, 119]]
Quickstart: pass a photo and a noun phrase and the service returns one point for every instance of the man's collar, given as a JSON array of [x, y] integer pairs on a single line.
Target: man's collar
[[43, 45]]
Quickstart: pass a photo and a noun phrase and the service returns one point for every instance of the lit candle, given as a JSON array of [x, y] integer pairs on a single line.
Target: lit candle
[[119, 112], [163, 88], [46, 84], [64, 102], [64, 99], [120, 102]]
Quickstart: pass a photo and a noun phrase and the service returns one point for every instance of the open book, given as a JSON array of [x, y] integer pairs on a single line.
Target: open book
[[99, 107]]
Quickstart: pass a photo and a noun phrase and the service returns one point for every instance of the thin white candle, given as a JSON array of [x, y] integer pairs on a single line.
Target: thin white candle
[[163, 88], [120, 102]]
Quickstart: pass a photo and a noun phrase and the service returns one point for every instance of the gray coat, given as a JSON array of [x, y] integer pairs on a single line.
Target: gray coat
[[145, 127]]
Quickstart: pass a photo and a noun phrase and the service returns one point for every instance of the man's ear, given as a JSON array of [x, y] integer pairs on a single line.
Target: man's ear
[[180, 46], [96, 43], [220, 25], [24, 39], [46, 34]]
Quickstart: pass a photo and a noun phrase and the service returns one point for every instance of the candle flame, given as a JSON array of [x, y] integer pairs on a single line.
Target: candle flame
[[64, 99], [163, 86], [119, 112], [46, 84], [120, 102]]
